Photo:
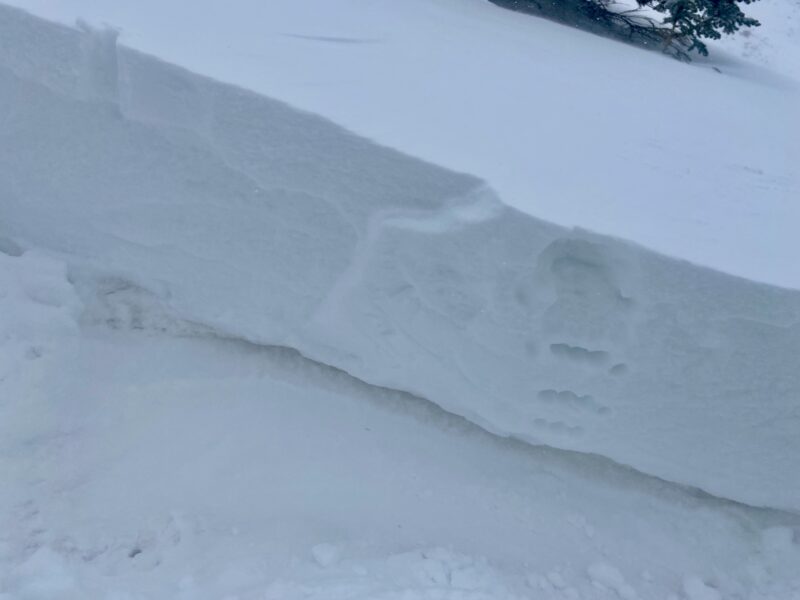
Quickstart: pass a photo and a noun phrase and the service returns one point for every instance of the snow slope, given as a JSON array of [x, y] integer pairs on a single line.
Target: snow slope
[[272, 225], [571, 128], [143, 458]]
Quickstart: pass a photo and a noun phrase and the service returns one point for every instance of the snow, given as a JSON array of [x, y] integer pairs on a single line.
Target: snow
[[695, 589], [246, 353], [326, 554], [36, 302], [269, 224], [156, 460], [608, 576], [629, 144]]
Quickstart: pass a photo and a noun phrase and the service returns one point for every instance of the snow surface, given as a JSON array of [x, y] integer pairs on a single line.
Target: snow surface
[[246, 354], [275, 226], [142, 457], [570, 128]]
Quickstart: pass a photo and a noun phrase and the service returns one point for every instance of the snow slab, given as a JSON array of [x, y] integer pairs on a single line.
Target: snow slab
[[144, 458], [262, 222], [690, 161]]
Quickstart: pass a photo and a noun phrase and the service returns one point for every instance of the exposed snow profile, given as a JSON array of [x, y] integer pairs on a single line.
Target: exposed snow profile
[[270, 224], [147, 459]]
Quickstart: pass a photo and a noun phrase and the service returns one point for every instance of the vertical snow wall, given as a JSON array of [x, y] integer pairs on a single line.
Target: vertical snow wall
[[272, 224]]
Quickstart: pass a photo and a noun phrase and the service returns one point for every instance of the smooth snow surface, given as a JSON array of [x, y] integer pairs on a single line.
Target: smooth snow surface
[[568, 127], [272, 225]]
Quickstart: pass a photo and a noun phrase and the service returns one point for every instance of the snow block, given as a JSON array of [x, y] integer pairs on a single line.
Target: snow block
[[274, 225]]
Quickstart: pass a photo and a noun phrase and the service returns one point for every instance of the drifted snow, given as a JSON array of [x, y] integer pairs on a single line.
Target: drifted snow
[[568, 127], [265, 223]]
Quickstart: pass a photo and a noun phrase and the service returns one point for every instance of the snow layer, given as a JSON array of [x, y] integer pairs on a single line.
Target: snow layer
[[143, 466], [273, 225], [571, 128]]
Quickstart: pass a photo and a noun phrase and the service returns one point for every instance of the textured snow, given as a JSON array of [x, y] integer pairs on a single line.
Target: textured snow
[[568, 127], [269, 224], [36, 302], [144, 458], [170, 245], [608, 576]]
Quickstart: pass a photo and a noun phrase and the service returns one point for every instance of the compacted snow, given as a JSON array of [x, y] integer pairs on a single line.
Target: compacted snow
[[245, 353]]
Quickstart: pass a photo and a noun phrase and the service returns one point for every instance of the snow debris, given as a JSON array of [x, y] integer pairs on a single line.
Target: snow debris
[[420, 575], [696, 589], [557, 580], [608, 576], [37, 302], [326, 555]]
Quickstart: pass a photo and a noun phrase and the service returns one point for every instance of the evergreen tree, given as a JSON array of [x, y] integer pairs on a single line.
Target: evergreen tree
[[685, 24], [690, 20]]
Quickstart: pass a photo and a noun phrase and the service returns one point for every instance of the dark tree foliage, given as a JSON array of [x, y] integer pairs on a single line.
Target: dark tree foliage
[[684, 26], [690, 20]]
